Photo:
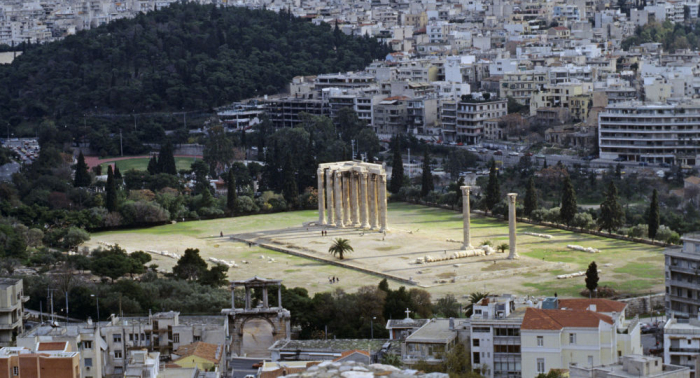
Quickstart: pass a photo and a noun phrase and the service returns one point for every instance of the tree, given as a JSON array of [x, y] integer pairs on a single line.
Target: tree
[[503, 247], [231, 194], [612, 215], [166, 160], [75, 237], [654, 217], [190, 266], [111, 191], [82, 176], [568, 209], [427, 184], [592, 277], [396, 169], [448, 306], [474, 298], [118, 175], [289, 188], [493, 188], [112, 263], [201, 171], [153, 165], [218, 149], [214, 277], [531, 202], [340, 247]]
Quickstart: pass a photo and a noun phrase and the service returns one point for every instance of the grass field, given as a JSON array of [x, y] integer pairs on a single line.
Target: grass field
[[140, 164], [629, 268]]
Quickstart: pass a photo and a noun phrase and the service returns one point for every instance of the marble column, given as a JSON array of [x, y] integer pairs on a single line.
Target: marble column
[[247, 298], [346, 200], [329, 199], [279, 296], [363, 200], [265, 304], [338, 195], [372, 199], [466, 217], [353, 200], [382, 202], [511, 226], [321, 198], [233, 298]]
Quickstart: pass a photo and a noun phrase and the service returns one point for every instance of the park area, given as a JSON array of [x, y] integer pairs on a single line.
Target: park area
[[141, 163], [415, 232]]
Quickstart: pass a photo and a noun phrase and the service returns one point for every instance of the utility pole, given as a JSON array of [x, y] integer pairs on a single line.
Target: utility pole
[[133, 112], [409, 162], [184, 117], [67, 318], [121, 144]]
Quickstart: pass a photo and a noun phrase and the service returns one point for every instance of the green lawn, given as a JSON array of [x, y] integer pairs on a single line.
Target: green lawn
[[140, 164]]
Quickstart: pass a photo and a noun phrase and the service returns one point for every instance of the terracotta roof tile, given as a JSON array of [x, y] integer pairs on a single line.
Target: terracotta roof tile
[[351, 352], [44, 346], [602, 305], [537, 319], [210, 352]]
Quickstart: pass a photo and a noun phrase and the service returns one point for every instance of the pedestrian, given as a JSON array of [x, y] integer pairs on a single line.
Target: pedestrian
[[221, 233]]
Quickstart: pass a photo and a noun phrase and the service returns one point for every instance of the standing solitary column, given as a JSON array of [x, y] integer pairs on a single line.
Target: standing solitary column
[[247, 298], [363, 200], [511, 226], [279, 296], [233, 297], [372, 199], [321, 198], [338, 195], [329, 194], [265, 304], [382, 202], [466, 217], [354, 219], [346, 200]]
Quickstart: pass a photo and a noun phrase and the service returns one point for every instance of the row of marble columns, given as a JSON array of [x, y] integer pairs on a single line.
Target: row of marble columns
[[248, 297], [352, 199], [466, 217]]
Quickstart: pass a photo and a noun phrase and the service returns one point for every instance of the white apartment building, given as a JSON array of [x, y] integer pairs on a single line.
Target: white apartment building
[[682, 343], [472, 114], [12, 301], [682, 284], [654, 133]]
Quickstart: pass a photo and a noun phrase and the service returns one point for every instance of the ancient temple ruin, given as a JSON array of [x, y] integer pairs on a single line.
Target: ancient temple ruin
[[352, 194]]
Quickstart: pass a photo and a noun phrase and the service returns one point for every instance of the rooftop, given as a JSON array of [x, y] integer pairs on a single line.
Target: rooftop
[[7, 282], [210, 352], [337, 345], [435, 331], [537, 319], [601, 305]]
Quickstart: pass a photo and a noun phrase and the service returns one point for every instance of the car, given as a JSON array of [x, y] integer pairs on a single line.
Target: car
[[513, 154], [472, 149], [250, 376], [590, 157], [665, 165], [528, 154], [619, 159], [460, 144], [643, 164], [499, 152], [540, 156], [483, 151], [258, 365]]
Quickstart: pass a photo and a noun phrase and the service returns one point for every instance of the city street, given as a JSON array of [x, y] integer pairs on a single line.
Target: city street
[[240, 367]]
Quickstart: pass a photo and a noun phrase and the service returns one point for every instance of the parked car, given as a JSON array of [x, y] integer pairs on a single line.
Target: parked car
[[472, 149], [513, 154], [665, 165], [619, 159], [499, 152], [528, 154], [590, 157], [258, 365], [643, 164]]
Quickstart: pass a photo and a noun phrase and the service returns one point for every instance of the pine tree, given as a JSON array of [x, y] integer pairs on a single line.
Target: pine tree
[[654, 218], [82, 176], [153, 165], [289, 187], [612, 216], [458, 190], [544, 165], [592, 277], [427, 184], [568, 209], [396, 169], [531, 201], [231, 195], [111, 191], [117, 175], [166, 160], [493, 189]]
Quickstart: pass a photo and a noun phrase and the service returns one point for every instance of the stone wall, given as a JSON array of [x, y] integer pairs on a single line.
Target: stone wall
[[640, 305]]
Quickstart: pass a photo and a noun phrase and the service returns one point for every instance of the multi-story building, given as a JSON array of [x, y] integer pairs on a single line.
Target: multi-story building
[[421, 114], [48, 360], [654, 133], [471, 115], [430, 343], [448, 118], [682, 282], [390, 115], [682, 343], [520, 85], [633, 366], [12, 300], [285, 112]]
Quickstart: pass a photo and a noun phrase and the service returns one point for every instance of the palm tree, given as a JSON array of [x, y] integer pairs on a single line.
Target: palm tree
[[340, 247], [503, 247], [474, 298]]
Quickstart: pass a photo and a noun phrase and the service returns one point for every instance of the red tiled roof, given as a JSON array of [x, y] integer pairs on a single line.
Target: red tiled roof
[[537, 319], [560, 28], [395, 98], [351, 352], [602, 305], [209, 352], [52, 346]]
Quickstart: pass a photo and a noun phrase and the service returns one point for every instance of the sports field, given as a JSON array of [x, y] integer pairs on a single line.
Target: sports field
[[141, 164], [628, 267]]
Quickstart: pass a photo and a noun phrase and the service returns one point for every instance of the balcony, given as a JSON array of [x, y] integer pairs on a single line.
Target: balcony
[[684, 350], [12, 325]]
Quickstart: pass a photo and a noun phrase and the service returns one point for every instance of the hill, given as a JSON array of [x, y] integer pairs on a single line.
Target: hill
[[187, 56]]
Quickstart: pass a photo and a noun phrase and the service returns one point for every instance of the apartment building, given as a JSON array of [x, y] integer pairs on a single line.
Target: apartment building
[[48, 360], [12, 301], [390, 115], [285, 112], [448, 117], [633, 366], [471, 115], [654, 133], [557, 95], [682, 282], [522, 84], [430, 343], [682, 343], [421, 114]]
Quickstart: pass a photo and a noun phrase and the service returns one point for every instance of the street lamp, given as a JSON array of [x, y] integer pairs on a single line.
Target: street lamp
[[371, 326], [97, 305]]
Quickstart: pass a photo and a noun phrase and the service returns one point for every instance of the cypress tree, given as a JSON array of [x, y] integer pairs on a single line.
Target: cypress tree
[[427, 184], [531, 200], [153, 165], [117, 175], [289, 187], [592, 278], [493, 189], [654, 218], [231, 195], [612, 216], [82, 176], [458, 190], [166, 160], [568, 209], [544, 165], [111, 191], [396, 169]]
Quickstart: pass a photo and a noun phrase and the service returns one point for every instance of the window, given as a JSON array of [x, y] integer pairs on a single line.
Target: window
[[176, 337], [117, 354], [118, 370], [87, 344], [540, 340], [540, 365], [197, 338], [590, 360], [131, 337], [117, 337], [88, 362], [15, 370], [475, 342], [572, 338], [476, 360]]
